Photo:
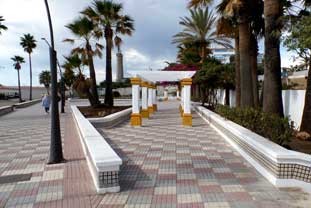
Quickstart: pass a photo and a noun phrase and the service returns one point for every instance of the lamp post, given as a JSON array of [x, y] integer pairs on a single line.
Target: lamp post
[[62, 84], [56, 151]]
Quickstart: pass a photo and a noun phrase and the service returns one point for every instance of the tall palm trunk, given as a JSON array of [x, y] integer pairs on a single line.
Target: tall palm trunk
[[227, 96], [19, 87], [108, 93], [237, 73], [254, 54], [306, 116], [95, 100], [247, 99], [203, 52], [272, 99], [30, 70]]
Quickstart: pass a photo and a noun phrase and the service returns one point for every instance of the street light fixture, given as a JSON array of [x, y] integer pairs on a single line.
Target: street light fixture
[[56, 150], [62, 84]]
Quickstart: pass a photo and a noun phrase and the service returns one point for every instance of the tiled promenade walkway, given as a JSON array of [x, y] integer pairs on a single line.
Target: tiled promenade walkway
[[167, 166], [24, 145]]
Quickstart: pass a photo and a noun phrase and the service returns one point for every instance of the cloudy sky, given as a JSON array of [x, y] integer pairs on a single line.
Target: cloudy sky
[[156, 21]]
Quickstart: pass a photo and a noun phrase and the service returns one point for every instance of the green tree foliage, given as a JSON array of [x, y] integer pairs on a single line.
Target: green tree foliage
[[2, 26], [213, 76], [199, 31], [87, 34], [18, 60], [300, 41], [29, 43], [45, 79], [108, 17], [116, 85]]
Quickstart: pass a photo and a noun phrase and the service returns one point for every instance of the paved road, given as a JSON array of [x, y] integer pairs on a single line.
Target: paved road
[[168, 165]]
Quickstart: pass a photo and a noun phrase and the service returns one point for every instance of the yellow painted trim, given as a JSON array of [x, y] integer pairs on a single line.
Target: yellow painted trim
[[145, 113], [155, 107], [136, 119], [136, 81], [187, 81], [144, 84], [181, 110], [150, 109], [187, 120]]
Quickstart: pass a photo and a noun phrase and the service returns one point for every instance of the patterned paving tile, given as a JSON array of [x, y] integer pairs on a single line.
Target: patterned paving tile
[[189, 167], [165, 166]]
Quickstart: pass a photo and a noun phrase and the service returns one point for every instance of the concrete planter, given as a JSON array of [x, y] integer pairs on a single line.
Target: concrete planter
[[113, 119], [104, 164]]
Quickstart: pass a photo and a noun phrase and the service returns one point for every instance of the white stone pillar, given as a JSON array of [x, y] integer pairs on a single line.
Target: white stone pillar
[[154, 98], [144, 100], [136, 116], [181, 106], [150, 98], [165, 95], [187, 117], [178, 94]]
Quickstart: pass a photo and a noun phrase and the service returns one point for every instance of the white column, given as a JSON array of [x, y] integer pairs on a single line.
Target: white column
[[165, 94], [150, 98], [182, 97], [136, 116], [186, 93], [154, 98], [178, 94], [144, 101], [187, 99]]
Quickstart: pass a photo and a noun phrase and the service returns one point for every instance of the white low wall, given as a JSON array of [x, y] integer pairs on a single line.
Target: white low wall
[[293, 103], [6, 109], [26, 103], [282, 167], [103, 162], [113, 119]]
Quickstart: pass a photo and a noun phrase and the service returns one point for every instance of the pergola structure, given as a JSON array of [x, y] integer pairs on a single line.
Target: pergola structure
[[146, 81]]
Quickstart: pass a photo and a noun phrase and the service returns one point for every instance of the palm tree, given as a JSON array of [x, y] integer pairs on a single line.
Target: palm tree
[[18, 60], [74, 77], [45, 79], [198, 29], [29, 43], [108, 17], [228, 27], [85, 30], [197, 3], [2, 26], [272, 96]]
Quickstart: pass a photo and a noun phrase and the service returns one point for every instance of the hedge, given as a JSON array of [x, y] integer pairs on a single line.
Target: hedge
[[268, 125]]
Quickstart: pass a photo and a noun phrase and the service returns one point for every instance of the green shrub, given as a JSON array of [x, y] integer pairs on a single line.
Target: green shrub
[[267, 125], [116, 94]]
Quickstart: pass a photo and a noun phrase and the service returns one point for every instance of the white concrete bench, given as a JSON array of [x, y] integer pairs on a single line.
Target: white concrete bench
[[103, 162], [282, 167]]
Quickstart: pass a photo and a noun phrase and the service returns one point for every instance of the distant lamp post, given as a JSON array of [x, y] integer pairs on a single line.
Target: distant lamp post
[[62, 84], [56, 150]]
